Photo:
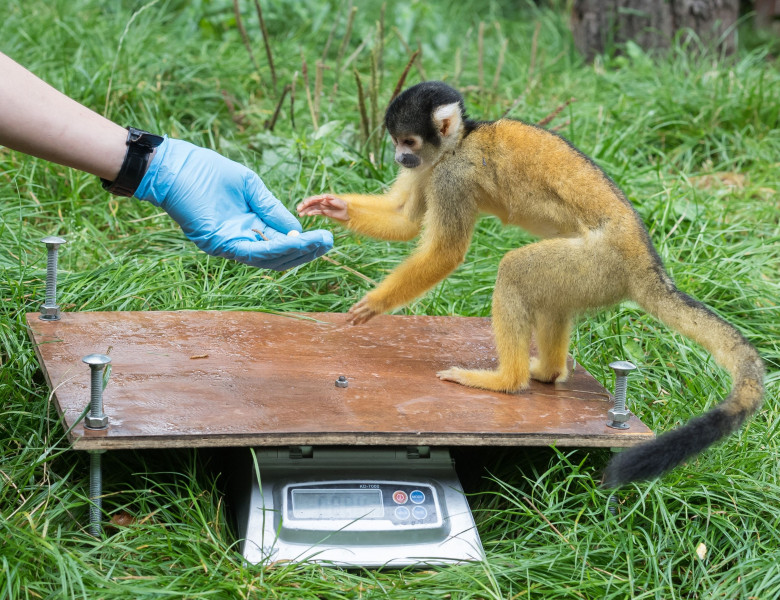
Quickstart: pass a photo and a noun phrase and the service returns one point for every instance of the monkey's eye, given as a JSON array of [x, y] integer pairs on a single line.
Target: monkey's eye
[[409, 142]]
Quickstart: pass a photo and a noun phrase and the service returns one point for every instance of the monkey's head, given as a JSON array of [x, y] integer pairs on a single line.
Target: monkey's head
[[424, 121]]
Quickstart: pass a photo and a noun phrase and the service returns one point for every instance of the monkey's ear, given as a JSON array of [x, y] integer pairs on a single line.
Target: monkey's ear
[[447, 118]]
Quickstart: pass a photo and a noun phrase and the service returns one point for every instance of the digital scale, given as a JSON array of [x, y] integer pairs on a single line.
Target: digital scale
[[371, 507]]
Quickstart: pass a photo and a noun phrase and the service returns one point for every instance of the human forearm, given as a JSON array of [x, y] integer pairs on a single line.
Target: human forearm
[[219, 204], [38, 120]]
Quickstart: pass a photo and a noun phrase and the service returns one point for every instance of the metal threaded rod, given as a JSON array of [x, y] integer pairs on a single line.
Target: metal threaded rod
[[613, 504], [51, 275], [621, 386], [95, 419], [96, 393], [95, 493], [50, 311], [619, 414]]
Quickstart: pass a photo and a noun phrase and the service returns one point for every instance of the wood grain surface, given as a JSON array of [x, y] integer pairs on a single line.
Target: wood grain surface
[[215, 378]]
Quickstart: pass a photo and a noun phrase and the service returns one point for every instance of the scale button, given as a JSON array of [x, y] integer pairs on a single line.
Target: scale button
[[400, 497], [419, 512], [402, 513], [417, 496]]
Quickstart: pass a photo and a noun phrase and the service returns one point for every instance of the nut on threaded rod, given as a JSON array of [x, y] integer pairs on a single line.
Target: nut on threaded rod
[[619, 414], [96, 418], [50, 311]]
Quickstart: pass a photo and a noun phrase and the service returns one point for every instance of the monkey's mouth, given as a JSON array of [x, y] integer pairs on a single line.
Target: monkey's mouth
[[410, 162]]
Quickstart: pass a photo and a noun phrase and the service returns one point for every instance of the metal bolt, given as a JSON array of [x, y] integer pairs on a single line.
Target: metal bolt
[[96, 419], [95, 491], [50, 311], [342, 382], [613, 504], [619, 414]]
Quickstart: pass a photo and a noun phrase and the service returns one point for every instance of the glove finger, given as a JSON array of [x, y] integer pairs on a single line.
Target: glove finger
[[267, 207], [298, 261], [282, 251]]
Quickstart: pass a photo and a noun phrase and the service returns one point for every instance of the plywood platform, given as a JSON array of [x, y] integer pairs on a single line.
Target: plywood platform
[[202, 378]]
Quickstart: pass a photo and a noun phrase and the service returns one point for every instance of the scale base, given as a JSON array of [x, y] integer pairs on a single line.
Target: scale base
[[417, 481]]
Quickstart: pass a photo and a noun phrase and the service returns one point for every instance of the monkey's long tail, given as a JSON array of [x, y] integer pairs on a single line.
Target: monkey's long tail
[[729, 348]]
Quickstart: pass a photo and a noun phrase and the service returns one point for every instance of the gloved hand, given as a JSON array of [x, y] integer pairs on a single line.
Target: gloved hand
[[218, 202]]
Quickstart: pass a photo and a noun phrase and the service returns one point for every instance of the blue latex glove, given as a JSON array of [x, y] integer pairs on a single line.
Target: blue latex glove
[[218, 202]]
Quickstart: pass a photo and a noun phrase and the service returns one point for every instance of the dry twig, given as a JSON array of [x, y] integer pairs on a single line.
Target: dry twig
[[364, 124], [350, 269], [555, 113], [399, 86], [266, 42], [271, 123], [344, 44], [408, 48], [244, 36]]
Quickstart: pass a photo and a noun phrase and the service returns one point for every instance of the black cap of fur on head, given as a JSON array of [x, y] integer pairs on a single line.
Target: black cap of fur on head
[[411, 111]]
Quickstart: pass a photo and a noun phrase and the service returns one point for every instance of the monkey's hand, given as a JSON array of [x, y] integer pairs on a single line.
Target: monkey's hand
[[362, 311], [326, 205]]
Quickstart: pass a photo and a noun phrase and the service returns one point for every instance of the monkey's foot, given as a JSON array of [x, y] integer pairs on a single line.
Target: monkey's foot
[[487, 380], [548, 373]]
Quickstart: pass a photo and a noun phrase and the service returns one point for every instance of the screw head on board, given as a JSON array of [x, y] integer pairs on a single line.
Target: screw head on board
[[53, 241], [96, 360], [622, 367], [342, 382]]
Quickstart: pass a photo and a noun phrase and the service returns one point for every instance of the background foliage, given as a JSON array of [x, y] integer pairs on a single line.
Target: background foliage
[[692, 138]]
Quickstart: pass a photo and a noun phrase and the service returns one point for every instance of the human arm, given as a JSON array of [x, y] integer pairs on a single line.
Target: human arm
[[217, 202], [39, 120]]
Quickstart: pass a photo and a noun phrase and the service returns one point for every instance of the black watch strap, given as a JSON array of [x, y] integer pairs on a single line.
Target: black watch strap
[[140, 145]]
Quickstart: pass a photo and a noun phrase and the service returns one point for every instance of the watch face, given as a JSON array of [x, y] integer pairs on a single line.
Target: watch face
[[142, 138]]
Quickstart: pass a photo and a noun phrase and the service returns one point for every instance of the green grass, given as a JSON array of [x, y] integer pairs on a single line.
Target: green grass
[[657, 125]]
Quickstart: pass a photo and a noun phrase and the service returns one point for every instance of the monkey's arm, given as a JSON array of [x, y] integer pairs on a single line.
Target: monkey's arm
[[380, 217], [444, 244], [394, 216]]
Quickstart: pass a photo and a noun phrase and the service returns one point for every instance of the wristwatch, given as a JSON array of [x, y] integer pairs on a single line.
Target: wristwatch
[[140, 145]]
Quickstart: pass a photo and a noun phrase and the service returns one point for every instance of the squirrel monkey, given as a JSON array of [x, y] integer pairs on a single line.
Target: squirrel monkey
[[594, 252]]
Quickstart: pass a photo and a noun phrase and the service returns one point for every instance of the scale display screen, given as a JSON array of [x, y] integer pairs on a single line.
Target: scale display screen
[[360, 505], [337, 504]]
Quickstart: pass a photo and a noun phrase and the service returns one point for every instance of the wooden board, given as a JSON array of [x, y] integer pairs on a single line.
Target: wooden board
[[207, 378]]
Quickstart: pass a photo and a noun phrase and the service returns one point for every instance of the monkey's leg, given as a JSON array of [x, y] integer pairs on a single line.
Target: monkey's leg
[[512, 330], [544, 285], [553, 333]]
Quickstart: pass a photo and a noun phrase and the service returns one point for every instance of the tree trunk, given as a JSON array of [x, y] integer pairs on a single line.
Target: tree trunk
[[606, 25], [767, 14]]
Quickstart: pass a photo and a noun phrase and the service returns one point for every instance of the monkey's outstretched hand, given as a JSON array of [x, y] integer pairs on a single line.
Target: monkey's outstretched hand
[[326, 205]]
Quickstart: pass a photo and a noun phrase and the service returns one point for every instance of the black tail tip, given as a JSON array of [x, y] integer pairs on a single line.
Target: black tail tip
[[620, 471], [653, 459]]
